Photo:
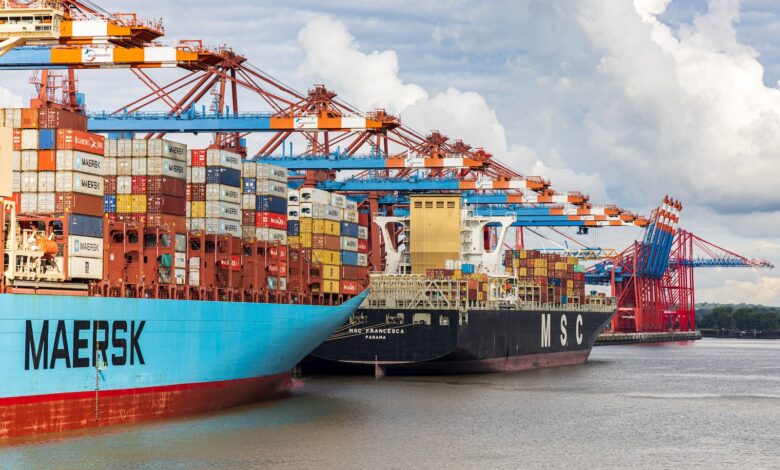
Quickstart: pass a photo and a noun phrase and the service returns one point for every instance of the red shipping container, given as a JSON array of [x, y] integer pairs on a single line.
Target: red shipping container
[[76, 203], [325, 242], [248, 218], [277, 252], [16, 144], [72, 139], [271, 220], [47, 160], [363, 219], [109, 183], [166, 186], [138, 185], [166, 205], [166, 221], [198, 157], [52, 118], [234, 263], [198, 192], [362, 273], [29, 118], [362, 246], [350, 287], [350, 273], [17, 198], [278, 269], [188, 193]]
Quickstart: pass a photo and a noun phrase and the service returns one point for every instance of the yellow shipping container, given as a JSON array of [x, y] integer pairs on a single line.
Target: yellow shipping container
[[331, 272], [523, 254], [326, 257], [306, 240], [124, 204], [198, 210], [293, 240], [330, 287], [305, 224], [327, 227], [522, 272], [571, 260], [139, 203], [569, 283]]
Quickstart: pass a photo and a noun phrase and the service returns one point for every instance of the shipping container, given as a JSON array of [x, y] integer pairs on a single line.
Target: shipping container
[[47, 160], [249, 169], [138, 185], [29, 182], [331, 257], [16, 160], [293, 213], [224, 176], [349, 244], [248, 185], [29, 139], [198, 192], [338, 200], [198, 209], [248, 202], [85, 247], [53, 118], [124, 166], [224, 159], [82, 162], [139, 166], [47, 203], [363, 233], [166, 149], [47, 139], [72, 139], [274, 204], [349, 258], [159, 166], [271, 235], [198, 159], [314, 195], [293, 197], [85, 226], [223, 193], [223, 227], [352, 205], [29, 160], [271, 188], [109, 203], [330, 287], [362, 246], [350, 287], [16, 182], [138, 202], [139, 148], [350, 216], [271, 220], [293, 227], [349, 229], [46, 182], [160, 204], [266, 171], [223, 210], [29, 118], [85, 268], [325, 242], [29, 203], [328, 227], [198, 175], [166, 186]]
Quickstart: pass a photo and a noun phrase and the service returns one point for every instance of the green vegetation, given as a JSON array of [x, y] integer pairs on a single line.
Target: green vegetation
[[738, 317]]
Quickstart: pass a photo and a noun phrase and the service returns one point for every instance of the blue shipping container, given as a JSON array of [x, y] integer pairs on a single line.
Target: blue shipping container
[[349, 258], [85, 226], [348, 229], [46, 139], [275, 204], [109, 204], [250, 185], [294, 227], [222, 175], [467, 268]]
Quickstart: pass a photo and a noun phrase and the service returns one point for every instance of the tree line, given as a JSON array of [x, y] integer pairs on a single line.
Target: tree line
[[740, 318]]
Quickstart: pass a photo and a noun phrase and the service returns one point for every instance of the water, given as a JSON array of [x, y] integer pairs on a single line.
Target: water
[[710, 404]]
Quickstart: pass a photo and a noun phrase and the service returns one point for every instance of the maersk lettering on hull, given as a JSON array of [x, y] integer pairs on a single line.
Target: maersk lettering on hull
[[444, 341]]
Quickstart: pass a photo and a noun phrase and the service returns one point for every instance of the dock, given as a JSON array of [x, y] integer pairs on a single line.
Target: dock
[[612, 339]]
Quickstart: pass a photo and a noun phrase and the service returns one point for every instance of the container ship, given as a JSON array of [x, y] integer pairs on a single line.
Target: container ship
[[142, 279], [448, 305]]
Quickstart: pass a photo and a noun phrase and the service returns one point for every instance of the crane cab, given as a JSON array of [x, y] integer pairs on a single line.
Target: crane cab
[[38, 20]]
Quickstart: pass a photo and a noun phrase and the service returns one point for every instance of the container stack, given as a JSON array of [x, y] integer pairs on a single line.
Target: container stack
[[58, 169], [146, 181], [561, 278], [354, 261], [270, 219], [215, 192], [320, 237]]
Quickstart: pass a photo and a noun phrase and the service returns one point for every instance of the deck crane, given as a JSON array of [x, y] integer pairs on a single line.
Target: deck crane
[[653, 279]]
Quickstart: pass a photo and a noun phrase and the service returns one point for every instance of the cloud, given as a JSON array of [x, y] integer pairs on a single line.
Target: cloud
[[765, 291], [9, 99]]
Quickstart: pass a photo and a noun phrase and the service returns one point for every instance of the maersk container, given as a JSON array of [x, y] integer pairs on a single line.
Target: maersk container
[[47, 203], [29, 182], [349, 229], [293, 197], [249, 185], [349, 258], [314, 195], [224, 159], [198, 175], [124, 166], [223, 193], [222, 175], [159, 166], [29, 160], [138, 166], [349, 244], [223, 227], [248, 202], [29, 139], [293, 212], [85, 226], [75, 160], [85, 268], [223, 210], [72, 182], [167, 149], [109, 204], [85, 247], [271, 235], [46, 181], [47, 139], [274, 204], [266, 171], [293, 228], [338, 200], [363, 233], [271, 188]]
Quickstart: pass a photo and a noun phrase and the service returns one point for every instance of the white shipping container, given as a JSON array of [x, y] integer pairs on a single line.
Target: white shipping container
[[124, 166], [72, 182], [197, 224], [29, 160], [249, 169], [248, 202], [29, 202], [223, 227], [13, 118], [46, 182], [82, 162], [349, 244], [283, 284], [167, 149], [46, 203], [194, 263], [159, 166], [85, 268], [110, 167], [180, 275], [194, 278], [29, 182], [16, 182], [266, 171], [109, 147], [29, 139], [351, 216], [124, 185], [188, 210], [223, 210], [189, 174], [320, 211], [223, 158], [362, 259], [271, 188], [363, 233], [293, 197], [180, 260], [338, 200], [139, 166], [85, 247], [198, 175], [139, 148], [124, 148], [247, 232], [293, 212], [351, 205], [315, 195], [16, 160], [271, 235], [223, 193]]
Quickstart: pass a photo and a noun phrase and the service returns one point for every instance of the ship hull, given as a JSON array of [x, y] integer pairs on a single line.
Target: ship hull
[[77, 362], [451, 343]]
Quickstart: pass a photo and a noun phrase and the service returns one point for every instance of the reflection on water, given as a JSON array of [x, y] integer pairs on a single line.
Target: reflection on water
[[712, 404]]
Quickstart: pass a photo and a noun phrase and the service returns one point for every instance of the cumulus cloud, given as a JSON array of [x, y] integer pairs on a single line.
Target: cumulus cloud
[[765, 290], [9, 99]]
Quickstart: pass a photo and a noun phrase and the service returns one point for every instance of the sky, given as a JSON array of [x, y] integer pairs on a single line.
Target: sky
[[627, 101]]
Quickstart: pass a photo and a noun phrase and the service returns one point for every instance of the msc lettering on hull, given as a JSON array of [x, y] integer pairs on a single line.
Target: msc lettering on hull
[[564, 335], [118, 338]]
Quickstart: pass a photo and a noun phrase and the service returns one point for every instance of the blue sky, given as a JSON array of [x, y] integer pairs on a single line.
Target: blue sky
[[627, 101]]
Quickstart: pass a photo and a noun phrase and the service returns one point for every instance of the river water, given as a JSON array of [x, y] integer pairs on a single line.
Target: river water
[[710, 404]]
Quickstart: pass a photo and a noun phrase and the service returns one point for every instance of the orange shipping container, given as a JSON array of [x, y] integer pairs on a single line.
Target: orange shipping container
[[71, 139], [29, 119], [350, 287], [47, 160]]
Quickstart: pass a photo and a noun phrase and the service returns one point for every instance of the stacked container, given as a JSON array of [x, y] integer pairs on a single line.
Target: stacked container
[[215, 192], [270, 218], [561, 278], [146, 180]]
